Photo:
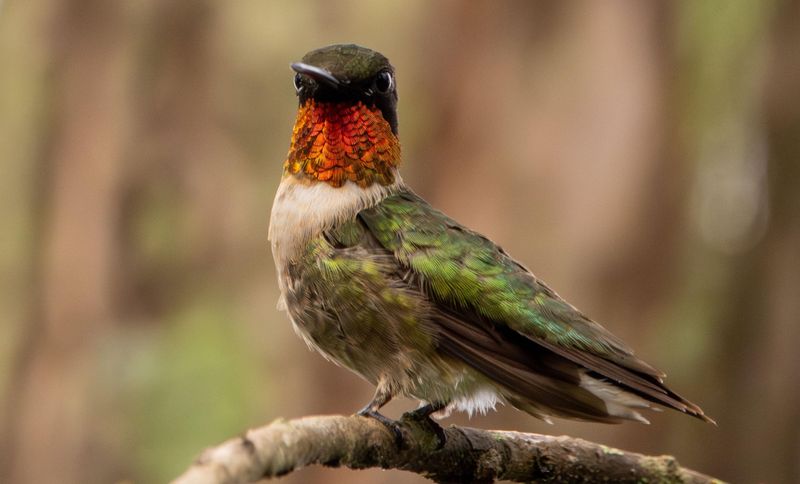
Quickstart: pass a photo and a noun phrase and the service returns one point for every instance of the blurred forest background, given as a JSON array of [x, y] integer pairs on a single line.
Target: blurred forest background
[[641, 157]]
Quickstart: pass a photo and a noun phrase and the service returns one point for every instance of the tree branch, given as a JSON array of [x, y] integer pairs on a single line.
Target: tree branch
[[469, 455]]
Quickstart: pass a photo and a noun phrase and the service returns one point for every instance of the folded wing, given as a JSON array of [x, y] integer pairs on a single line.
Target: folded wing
[[494, 315]]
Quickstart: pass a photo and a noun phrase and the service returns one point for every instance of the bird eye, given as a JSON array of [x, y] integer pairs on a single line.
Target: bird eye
[[384, 82], [298, 81]]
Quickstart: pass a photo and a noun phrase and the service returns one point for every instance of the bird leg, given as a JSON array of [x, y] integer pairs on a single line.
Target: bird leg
[[381, 398], [423, 415]]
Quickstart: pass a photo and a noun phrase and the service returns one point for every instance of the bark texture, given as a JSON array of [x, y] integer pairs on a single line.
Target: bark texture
[[469, 455]]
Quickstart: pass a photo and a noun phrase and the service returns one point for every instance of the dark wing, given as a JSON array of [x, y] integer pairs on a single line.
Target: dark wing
[[494, 315]]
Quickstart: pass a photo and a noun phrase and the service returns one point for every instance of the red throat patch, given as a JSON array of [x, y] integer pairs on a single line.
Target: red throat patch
[[337, 142]]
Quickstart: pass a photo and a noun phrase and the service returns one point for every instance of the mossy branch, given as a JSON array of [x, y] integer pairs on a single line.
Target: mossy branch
[[469, 455]]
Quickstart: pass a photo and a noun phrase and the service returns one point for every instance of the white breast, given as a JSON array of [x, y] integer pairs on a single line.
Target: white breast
[[302, 210]]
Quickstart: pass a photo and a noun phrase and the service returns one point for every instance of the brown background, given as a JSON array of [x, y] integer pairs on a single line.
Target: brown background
[[642, 157]]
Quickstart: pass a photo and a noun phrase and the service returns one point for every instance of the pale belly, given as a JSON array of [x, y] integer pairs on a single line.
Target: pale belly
[[351, 309]]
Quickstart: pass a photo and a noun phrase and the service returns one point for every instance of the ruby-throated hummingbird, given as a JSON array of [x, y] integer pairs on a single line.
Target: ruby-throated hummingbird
[[380, 282]]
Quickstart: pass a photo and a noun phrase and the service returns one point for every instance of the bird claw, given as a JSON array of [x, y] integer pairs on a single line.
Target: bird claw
[[423, 416], [390, 424]]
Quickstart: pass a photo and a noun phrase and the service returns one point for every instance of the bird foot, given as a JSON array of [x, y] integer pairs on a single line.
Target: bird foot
[[390, 424], [422, 416]]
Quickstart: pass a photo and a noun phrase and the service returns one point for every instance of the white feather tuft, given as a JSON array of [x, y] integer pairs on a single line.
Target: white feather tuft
[[619, 402], [480, 401]]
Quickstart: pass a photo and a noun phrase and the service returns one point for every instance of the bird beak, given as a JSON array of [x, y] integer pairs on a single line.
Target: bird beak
[[317, 73]]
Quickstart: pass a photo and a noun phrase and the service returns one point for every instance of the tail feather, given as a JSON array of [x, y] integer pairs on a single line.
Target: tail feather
[[543, 379], [646, 385]]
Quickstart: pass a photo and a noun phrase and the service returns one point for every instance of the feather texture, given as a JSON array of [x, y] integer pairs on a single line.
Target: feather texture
[[406, 297]]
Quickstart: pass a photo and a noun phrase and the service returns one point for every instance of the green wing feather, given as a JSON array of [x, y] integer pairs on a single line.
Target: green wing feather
[[498, 317]]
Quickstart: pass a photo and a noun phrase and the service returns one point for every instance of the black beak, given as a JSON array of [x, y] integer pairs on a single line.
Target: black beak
[[317, 73]]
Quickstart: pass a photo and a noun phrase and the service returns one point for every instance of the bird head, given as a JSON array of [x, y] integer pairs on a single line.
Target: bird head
[[346, 127]]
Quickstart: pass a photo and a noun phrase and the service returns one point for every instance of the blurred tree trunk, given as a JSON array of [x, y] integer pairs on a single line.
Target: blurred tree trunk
[[759, 402], [184, 171], [50, 429]]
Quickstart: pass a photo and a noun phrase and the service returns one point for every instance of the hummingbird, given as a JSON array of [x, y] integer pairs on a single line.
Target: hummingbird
[[380, 282]]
